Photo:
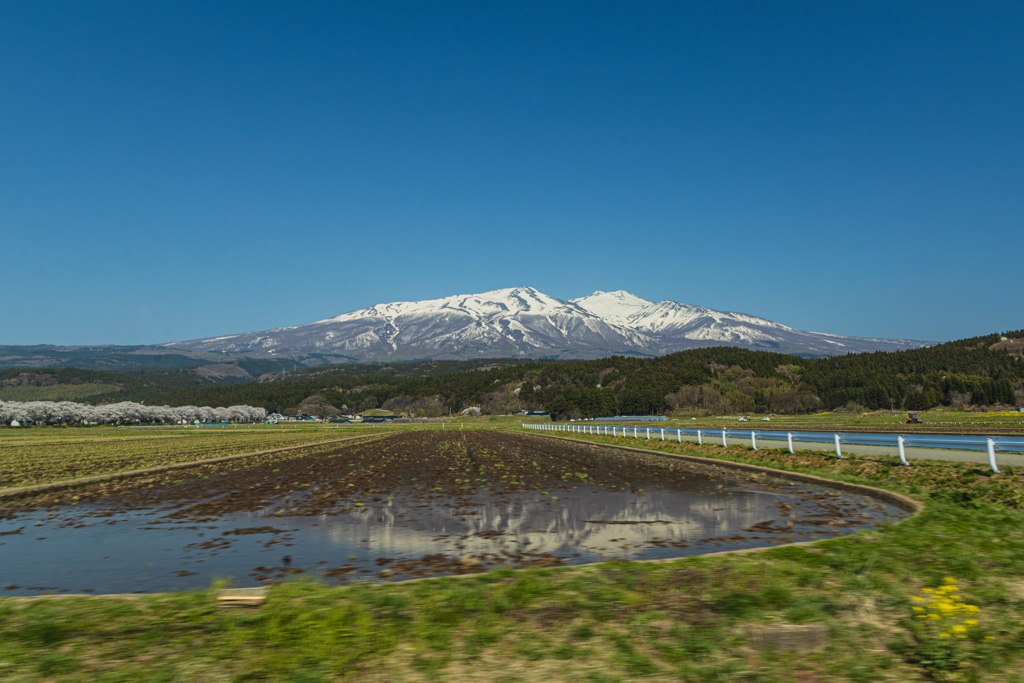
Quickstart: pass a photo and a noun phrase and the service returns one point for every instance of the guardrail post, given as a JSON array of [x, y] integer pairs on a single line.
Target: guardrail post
[[679, 435], [700, 441], [839, 453], [992, 454], [648, 433], [724, 444], [634, 432], [753, 440], [662, 433], [789, 438], [903, 451]]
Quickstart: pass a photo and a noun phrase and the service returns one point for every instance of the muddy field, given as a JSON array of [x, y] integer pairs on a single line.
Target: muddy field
[[40, 457], [399, 506]]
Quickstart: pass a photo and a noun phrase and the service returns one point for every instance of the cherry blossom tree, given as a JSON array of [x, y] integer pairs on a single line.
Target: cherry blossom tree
[[121, 413]]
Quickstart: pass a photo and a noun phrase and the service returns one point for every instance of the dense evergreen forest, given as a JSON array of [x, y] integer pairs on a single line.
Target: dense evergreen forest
[[971, 372], [977, 371]]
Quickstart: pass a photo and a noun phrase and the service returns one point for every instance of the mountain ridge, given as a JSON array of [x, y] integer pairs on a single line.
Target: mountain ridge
[[523, 322]]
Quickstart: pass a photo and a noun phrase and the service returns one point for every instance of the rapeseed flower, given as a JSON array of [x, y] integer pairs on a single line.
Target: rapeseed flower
[[944, 606]]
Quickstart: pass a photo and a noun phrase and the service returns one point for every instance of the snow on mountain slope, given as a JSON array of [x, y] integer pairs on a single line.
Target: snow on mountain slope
[[522, 322], [685, 326], [630, 310]]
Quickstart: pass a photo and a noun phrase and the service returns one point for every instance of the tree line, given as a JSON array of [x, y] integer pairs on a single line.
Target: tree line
[[970, 372]]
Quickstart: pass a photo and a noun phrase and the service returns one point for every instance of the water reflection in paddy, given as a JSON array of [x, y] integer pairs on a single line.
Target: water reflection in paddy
[[345, 528]]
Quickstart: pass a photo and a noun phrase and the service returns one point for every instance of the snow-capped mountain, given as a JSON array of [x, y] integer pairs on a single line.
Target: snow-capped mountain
[[522, 322]]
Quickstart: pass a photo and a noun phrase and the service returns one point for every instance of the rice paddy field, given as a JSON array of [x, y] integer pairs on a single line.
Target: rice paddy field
[[403, 505], [41, 455], [537, 543]]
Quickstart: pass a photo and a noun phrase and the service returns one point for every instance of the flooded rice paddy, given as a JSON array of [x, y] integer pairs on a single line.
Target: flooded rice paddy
[[403, 506]]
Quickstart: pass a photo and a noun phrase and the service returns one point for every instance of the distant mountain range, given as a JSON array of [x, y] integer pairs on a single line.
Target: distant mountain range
[[505, 323], [523, 323]]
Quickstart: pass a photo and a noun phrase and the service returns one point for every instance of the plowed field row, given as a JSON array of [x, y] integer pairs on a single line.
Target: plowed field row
[[41, 463], [340, 478]]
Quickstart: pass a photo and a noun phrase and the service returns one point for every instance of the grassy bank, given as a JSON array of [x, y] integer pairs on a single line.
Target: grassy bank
[[684, 620]]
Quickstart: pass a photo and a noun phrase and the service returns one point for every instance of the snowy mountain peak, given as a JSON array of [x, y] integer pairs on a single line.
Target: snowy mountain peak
[[495, 303], [619, 304], [523, 322]]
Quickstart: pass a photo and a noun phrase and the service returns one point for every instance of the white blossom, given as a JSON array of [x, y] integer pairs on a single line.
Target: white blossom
[[124, 412]]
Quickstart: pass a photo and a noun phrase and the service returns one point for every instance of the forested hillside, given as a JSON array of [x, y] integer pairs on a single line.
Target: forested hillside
[[971, 372], [95, 386]]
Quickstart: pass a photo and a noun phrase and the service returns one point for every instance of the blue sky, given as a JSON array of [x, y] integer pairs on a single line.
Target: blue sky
[[178, 170]]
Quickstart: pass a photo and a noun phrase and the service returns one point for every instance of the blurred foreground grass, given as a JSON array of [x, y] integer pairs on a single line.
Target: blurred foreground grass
[[621, 621]]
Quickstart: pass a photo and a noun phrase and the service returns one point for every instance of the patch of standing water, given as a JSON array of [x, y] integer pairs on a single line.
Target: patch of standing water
[[408, 533]]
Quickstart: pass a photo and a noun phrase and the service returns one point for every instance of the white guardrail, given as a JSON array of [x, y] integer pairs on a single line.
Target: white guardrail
[[991, 444]]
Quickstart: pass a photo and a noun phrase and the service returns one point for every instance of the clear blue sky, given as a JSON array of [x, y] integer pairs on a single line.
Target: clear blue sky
[[177, 170]]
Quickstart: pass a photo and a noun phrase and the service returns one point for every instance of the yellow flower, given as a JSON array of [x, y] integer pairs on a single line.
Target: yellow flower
[[944, 635], [918, 609], [971, 622], [917, 599], [949, 579], [959, 629]]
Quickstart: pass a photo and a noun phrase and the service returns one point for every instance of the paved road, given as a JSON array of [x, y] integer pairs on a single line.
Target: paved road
[[980, 457], [1011, 459]]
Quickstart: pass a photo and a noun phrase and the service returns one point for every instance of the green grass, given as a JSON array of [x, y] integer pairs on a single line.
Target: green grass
[[622, 621]]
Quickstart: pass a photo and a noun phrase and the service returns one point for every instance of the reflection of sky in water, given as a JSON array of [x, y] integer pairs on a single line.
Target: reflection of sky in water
[[124, 557]]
